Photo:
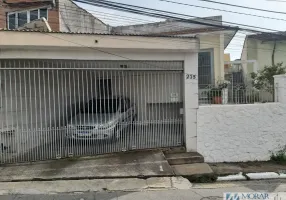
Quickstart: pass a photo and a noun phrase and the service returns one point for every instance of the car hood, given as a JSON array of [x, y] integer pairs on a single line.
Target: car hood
[[94, 119]]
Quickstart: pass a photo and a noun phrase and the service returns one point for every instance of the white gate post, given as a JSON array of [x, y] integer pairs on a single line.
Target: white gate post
[[191, 100], [280, 88]]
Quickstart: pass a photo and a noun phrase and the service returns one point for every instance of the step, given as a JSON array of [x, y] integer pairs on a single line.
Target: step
[[192, 169], [197, 172], [184, 158]]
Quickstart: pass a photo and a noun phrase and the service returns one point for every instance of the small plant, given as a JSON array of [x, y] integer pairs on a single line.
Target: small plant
[[214, 92], [223, 84], [279, 156]]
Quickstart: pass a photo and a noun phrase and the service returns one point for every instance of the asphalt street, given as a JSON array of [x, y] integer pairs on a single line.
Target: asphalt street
[[211, 191]]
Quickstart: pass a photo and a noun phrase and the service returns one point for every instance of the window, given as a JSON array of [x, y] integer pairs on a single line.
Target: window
[[44, 13], [18, 19], [22, 19], [12, 21], [205, 69], [34, 14]]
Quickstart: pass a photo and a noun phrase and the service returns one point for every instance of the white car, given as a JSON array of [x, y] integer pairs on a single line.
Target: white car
[[101, 119]]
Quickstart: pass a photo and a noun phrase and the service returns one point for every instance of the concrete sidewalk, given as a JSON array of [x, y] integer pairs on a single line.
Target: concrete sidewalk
[[98, 185], [121, 165]]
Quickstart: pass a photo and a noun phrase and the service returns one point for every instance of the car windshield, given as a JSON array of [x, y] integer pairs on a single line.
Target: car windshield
[[102, 106]]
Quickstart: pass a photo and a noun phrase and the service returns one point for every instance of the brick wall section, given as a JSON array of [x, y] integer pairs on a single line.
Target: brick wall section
[[53, 19], [2, 16], [53, 13]]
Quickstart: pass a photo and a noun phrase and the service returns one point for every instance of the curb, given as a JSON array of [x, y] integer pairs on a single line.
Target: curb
[[252, 176]]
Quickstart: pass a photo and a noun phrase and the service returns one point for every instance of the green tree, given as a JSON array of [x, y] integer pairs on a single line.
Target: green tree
[[264, 80]]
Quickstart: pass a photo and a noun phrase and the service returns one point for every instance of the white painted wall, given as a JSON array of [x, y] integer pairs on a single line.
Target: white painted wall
[[233, 133]]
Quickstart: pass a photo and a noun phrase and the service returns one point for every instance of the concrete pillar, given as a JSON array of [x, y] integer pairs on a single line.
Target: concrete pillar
[[191, 102], [280, 88]]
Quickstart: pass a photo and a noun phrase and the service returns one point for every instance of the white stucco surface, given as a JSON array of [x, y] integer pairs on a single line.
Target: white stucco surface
[[233, 133]]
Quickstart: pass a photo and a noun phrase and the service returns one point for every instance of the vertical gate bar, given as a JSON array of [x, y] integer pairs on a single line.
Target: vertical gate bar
[[83, 107], [35, 136], [155, 106], [11, 111], [139, 124], [32, 116], [45, 150], [82, 121], [16, 137], [130, 123], [90, 146], [172, 110], [150, 108], [54, 128], [26, 108], [148, 118], [65, 115], [173, 132], [104, 103], [107, 78], [141, 141], [125, 126], [161, 108], [134, 100], [122, 122], [42, 139], [179, 134], [118, 93], [113, 83], [146, 93], [88, 109], [76, 107], [131, 96], [50, 115], [165, 110], [95, 75], [57, 132], [79, 109], [70, 128], [21, 113]]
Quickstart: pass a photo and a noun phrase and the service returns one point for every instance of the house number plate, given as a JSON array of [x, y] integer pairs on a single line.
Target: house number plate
[[191, 76]]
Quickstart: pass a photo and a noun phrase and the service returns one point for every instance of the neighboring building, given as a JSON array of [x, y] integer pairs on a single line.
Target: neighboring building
[[213, 41], [226, 62], [62, 15], [262, 50]]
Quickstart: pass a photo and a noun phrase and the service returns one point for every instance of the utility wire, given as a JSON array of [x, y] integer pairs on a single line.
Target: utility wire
[[246, 7], [241, 13], [157, 13]]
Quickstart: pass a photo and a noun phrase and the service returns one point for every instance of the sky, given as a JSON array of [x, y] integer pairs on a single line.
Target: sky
[[117, 18]]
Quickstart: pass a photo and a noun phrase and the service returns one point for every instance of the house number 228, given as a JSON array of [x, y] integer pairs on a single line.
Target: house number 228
[[191, 76]]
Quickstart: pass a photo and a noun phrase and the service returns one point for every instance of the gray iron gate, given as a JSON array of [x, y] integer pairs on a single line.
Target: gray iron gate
[[53, 108]]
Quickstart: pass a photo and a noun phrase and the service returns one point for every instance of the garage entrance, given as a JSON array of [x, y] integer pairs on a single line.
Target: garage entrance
[[52, 109]]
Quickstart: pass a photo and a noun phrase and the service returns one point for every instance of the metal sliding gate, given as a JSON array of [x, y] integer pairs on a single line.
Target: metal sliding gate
[[52, 109]]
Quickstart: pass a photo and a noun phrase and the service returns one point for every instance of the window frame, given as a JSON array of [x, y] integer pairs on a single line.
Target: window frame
[[211, 51], [28, 15]]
